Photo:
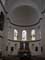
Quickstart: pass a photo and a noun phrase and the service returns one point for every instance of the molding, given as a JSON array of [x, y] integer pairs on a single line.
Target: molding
[[3, 7], [23, 25], [23, 41]]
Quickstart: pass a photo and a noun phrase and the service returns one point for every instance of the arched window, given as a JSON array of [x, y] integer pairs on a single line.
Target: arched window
[[15, 34], [33, 34], [24, 35]]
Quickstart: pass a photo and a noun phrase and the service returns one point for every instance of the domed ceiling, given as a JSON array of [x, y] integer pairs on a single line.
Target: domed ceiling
[[24, 15]]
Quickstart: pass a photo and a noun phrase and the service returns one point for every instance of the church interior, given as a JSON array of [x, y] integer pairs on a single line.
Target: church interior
[[22, 29]]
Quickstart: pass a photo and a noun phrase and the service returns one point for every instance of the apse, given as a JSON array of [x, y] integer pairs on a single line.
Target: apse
[[24, 15]]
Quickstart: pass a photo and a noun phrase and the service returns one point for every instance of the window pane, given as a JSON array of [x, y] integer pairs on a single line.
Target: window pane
[[33, 38], [24, 35], [33, 32]]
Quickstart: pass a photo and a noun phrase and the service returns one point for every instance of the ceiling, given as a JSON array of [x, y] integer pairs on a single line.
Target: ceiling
[[24, 15], [24, 12]]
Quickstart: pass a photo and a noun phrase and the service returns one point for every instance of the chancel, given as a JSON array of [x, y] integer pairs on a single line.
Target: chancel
[[22, 29]]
